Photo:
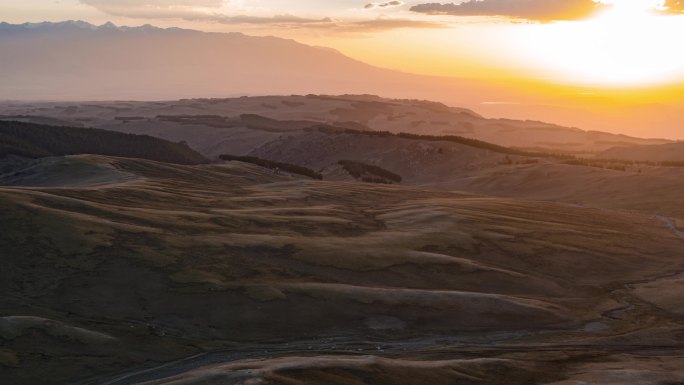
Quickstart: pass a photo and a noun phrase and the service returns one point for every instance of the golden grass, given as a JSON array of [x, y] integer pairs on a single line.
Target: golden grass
[[193, 256]]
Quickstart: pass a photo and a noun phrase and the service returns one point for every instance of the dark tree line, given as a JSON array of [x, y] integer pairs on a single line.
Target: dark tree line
[[37, 141], [273, 165], [369, 172], [328, 129]]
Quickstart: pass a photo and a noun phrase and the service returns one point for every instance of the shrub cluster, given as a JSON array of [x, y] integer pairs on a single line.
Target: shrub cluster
[[369, 173], [293, 168]]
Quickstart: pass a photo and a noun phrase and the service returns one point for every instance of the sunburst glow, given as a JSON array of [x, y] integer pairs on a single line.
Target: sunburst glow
[[628, 44]]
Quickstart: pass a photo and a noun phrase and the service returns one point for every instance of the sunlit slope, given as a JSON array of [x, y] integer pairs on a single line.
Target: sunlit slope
[[185, 258], [648, 189]]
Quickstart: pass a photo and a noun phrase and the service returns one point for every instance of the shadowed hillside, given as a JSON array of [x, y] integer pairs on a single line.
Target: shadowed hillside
[[236, 261], [37, 141]]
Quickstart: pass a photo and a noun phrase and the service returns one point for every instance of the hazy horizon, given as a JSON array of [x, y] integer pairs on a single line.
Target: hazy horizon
[[595, 64], [652, 112]]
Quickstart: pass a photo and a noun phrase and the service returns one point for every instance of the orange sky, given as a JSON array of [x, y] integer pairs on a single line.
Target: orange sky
[[625, 44], [563, 56]]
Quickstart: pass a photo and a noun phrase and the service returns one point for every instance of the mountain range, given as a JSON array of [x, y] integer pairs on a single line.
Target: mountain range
[[75, 60]]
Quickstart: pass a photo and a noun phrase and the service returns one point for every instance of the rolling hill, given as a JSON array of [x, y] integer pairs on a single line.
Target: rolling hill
[[668, 152], [225, 263], [479, 264], [239, 125]]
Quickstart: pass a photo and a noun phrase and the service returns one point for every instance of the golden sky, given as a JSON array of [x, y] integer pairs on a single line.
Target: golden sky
[[578, 54], [591, 43]]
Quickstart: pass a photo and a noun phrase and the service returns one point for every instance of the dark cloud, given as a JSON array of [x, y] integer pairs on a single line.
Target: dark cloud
[[384, 5], [543, 10]]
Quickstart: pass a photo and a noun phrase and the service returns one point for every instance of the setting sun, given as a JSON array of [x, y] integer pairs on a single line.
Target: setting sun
[[629, 44]]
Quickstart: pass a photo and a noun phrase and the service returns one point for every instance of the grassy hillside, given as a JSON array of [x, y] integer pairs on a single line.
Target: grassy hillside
[[37, 141], [219, 258]]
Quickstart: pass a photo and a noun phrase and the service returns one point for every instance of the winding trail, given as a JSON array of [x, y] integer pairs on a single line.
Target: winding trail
[[429, 346], [670, 225]]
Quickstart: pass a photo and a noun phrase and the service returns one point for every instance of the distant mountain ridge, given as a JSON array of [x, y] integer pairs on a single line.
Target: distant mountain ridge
[[76, 60], [80, 25]]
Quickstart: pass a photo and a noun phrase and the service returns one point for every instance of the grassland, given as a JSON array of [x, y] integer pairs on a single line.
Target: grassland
[[167, 261]]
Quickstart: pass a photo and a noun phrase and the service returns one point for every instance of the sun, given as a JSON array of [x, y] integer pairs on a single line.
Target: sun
[[629, 44]]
